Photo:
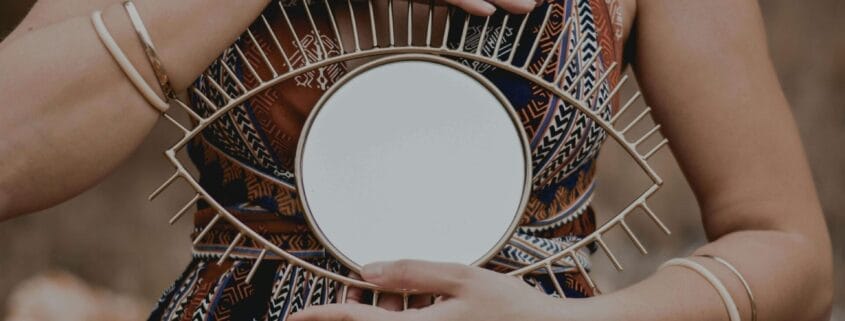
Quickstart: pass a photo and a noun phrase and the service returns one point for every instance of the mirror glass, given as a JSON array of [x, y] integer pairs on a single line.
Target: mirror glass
[[415, 159]]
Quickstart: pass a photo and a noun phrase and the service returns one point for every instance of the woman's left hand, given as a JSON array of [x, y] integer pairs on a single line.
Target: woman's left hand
[[467, 294]]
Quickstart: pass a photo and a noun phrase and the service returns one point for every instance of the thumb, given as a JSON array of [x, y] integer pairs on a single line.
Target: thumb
[[428, 277]]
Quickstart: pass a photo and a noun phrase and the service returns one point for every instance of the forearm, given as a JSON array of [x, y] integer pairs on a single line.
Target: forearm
[[70, 115], [788, 273]]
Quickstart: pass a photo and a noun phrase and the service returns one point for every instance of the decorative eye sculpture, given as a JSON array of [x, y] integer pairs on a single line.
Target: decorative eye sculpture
[[412, 146]]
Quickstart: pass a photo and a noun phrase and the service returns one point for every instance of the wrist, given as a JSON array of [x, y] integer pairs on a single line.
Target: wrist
[[582, 309]]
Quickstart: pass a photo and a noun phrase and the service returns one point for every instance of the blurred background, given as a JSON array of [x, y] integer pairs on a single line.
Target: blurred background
[[108, 254]]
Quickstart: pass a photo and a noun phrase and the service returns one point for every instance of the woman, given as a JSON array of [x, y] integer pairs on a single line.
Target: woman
[[703, 67]]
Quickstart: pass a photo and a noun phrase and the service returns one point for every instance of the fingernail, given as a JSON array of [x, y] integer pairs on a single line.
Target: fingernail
[[489, 8], [372, 270]]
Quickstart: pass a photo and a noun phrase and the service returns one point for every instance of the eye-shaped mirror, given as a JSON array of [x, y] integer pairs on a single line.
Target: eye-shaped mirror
[[415, 157]]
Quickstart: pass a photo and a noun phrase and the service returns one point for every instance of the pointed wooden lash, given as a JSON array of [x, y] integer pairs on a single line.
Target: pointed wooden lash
[[633, 237], [185, 209], [262, 53], [355, 26], [323, 53], [277, 43], [518, 38], [609, 254], [235, 242], [333, 23], [206, 229], [255, 265], [481, 36], [537, 39], [295, 35], [557, 45], [247, 63], [500, 36], [164, 186]]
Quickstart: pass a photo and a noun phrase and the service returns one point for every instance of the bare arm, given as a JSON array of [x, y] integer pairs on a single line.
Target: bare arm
[[705, 70], [69, 115]]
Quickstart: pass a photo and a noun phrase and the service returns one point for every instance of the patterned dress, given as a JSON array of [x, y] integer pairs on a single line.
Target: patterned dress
[[246, 161]]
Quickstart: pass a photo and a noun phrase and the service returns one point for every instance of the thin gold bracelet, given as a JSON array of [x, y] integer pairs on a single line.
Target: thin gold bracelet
[[741, 279], [126, 65], [730, 305], [150, 50]]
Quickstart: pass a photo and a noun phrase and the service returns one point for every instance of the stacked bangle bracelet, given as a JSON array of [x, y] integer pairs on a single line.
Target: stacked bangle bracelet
[[741, 280], [730, 304], [131, 72]]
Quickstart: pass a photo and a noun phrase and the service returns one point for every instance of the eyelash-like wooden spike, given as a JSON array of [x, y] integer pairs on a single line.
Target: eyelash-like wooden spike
[[654, 218], [216, 85], [410, 23], [555, 282], [445, 44], [255, 265], [262, 53], [654, 150], [462, 44], [205, 99], [189, 111], [185, 209], [537, 39], [481, 36], [206, 229], [355, 26], [607, 252], [636, 120], [175, 123], [583, 71], [603, 77], [323, 54], [275, 42], [247, 63], [333, 23], [633, 237], [557, 45], [501, 36], [429, 24], [294, 35], [518, 37], [584, 273], [235, 242], [392, 39], [372, 22], [164, 186]]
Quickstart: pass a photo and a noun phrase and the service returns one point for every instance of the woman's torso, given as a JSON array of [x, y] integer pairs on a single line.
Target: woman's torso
[[245, 158]]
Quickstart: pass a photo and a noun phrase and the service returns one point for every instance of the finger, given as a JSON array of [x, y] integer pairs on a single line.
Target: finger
[[420, 301], [516, 6], [345, 312], [354, 294], [391, 302], [475, 7], [428, 277]]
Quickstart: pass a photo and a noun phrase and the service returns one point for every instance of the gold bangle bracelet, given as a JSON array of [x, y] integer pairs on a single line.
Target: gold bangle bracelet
[[741, 279], [730, 304], [144, 35], [128, 69]]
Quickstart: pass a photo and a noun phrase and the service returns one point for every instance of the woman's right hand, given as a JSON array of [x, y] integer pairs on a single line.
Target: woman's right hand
[[488, 7]]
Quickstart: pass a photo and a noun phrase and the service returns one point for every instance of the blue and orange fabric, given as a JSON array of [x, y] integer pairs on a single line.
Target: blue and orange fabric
[[246, 159]]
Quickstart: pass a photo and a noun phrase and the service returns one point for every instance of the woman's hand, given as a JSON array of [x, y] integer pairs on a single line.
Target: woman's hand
[[466, 294], [488, 7]]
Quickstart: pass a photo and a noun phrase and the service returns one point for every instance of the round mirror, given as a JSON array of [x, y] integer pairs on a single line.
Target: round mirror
[[416, 157]]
